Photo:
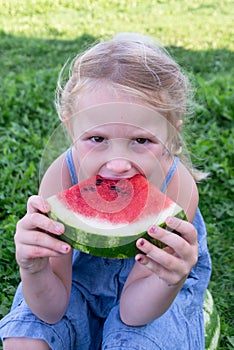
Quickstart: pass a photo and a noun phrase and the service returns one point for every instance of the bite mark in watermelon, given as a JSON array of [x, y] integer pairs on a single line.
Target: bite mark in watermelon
[[105, 217]]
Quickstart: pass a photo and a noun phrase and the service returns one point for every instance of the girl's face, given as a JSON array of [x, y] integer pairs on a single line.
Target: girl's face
[[117, 137]]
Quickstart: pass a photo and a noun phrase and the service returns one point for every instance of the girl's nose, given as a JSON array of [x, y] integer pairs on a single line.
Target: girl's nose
[[119, 165]]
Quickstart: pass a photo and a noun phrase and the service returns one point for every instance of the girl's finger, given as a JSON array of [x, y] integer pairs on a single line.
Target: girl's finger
[[158, 255], [163, 273], [180, 247], [34, 257], [185, 228], [40, 221], [184, 250], [37, 203], [169, 250], [168, 261], [37, 240]]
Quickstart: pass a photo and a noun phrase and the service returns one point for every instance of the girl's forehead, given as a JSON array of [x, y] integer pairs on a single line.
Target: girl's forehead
[[130, 116]]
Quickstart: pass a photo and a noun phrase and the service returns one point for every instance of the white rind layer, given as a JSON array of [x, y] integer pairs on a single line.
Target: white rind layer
[[104, 227]]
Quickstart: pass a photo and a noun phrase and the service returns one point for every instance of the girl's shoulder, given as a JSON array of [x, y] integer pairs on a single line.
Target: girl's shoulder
[[183, 190], [56, 178]]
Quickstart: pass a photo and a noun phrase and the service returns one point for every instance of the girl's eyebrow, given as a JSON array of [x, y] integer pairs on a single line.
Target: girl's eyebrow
[[93, 132], [127, 134], [144, 134]]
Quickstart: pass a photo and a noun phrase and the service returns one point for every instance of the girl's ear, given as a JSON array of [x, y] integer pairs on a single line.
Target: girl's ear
[[68, 126], [179, 125], [66, 123]]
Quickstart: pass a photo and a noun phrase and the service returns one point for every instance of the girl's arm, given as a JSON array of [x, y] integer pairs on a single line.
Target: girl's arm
[[45, 262], [159, 274]]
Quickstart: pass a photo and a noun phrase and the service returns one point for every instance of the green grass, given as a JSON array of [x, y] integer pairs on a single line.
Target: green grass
[[37, 37]]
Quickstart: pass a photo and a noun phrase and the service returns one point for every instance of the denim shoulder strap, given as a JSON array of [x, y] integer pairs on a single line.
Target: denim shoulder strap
[[71, 167], [169, 174]]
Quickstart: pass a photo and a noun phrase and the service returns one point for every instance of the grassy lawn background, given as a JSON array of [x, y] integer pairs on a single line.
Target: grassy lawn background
[[37, 37]]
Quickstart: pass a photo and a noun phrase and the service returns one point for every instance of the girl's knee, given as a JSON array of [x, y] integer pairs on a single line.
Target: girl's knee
[[24, 344]]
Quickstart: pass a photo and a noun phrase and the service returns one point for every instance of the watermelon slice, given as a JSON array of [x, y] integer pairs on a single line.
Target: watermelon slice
[[211, 321], [105, 217]]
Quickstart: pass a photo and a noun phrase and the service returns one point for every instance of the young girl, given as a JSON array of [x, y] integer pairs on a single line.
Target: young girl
[[123, 106]]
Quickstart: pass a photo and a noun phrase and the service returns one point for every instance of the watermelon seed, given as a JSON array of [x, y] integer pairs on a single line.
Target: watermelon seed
[[113, 188], [99, 181], [85, 189], [118, 189], [92, 189]]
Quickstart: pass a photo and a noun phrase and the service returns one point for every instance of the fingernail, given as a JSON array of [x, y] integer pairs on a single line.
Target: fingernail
[[58, 228], [153, 229], [141, 242], [64, 248], [139, 259]]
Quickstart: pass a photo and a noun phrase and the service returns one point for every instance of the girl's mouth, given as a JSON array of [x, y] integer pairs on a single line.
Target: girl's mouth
[[114, 178]]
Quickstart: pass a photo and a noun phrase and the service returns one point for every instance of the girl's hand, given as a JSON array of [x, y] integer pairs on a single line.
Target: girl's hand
[[35, 237], [173, 263]]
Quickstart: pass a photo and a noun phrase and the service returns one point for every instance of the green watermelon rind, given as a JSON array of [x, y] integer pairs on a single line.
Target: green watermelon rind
[[212, 322], [107, 246]]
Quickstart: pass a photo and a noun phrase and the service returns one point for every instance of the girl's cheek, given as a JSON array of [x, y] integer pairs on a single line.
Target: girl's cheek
[[82, 149]]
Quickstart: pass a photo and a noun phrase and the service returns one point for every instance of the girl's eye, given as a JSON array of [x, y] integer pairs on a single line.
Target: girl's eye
[[141, 140], [98, 139]]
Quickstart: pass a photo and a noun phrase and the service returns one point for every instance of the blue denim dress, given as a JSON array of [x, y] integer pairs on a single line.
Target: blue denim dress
[[92, 320]]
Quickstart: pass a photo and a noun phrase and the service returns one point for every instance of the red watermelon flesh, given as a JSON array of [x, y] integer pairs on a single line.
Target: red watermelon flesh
[[117, 201], [105, 217]]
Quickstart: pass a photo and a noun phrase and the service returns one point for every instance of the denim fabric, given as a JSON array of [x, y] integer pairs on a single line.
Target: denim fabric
[[92, 316]]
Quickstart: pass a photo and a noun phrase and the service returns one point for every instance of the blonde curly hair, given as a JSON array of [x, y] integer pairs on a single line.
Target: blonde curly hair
[[136, 65]]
